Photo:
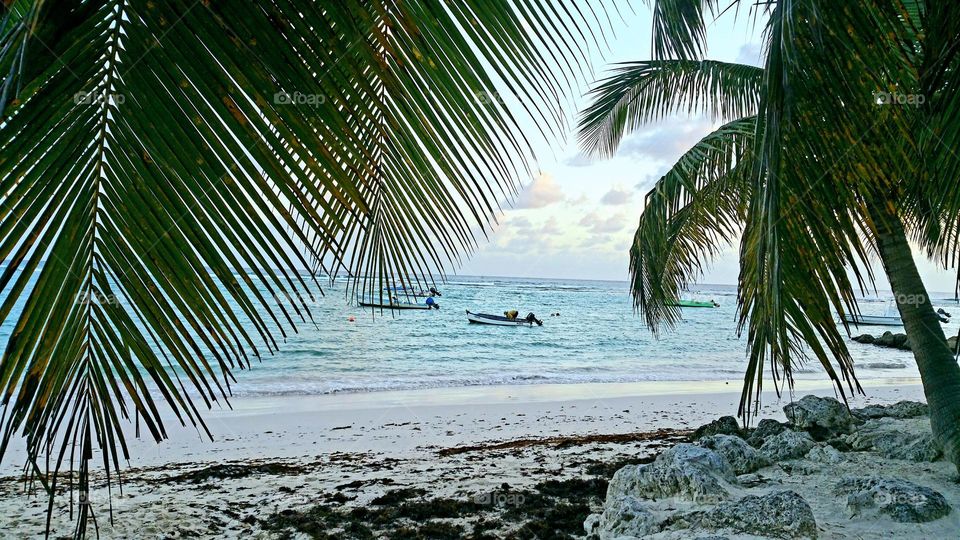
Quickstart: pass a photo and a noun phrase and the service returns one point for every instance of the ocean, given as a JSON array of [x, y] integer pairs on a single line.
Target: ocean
[[596, 337]]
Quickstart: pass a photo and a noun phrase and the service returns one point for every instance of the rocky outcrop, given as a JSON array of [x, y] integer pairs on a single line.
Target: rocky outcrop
[[900, 409], [622, 517], [903, 501], [741, 457], [767, 428], [821, 417], [824, 454], [722, 487], [787, 445], [686, 471], [887, 339], [725, 425], [909, 439], [782, 514]]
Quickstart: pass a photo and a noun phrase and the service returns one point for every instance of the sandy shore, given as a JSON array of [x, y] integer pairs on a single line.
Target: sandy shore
[[273, 456]]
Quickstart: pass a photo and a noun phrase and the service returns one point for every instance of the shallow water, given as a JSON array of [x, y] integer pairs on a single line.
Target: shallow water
[[596, 338]]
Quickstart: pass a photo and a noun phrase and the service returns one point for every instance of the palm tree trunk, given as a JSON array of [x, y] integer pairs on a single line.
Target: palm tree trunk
[[938, 368]]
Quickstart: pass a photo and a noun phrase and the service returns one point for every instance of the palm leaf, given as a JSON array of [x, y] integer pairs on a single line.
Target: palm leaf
[[691, 213], [679, 28], [641, 92], [170, 170]]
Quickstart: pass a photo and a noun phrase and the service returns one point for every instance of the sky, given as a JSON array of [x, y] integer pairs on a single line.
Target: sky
[[576, 218]]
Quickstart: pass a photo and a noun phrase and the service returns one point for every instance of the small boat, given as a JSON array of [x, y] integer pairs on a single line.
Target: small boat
[[412, 291], [872, 320], [394, 305], [497, 320], [694, 303]]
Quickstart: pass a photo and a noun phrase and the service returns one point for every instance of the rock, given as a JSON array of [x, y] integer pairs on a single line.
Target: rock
[[787, 445], [900, 409], [903, 501], [821, 417], [906, 345], [622, 517], [767, 428], [751, 480], [687, 471], [899, 340], [824, 454], [864, 338], [591, 523], [884, 340], [909, 439], [783, 514], [741, 457], [725, 425]]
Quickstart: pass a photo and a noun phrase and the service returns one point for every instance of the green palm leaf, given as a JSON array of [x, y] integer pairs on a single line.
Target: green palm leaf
[[169, 171], [679, 28], [691, 212], [641, 92]]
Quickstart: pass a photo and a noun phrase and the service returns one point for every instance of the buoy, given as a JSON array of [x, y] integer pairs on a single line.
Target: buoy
[[351, 318]]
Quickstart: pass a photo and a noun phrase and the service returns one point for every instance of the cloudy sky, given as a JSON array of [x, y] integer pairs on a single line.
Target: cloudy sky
[[576, 219]]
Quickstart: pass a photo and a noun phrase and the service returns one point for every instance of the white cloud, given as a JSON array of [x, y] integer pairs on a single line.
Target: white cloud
[[750, 54], [597, 224], [579, 160], [665, 142], [542, 192], [616, 197], [551, 227]]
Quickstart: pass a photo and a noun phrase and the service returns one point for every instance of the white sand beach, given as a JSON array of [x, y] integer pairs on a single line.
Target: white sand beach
[[276, 454]]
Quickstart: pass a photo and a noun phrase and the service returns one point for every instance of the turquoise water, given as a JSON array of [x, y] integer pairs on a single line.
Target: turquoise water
[[596, 338]]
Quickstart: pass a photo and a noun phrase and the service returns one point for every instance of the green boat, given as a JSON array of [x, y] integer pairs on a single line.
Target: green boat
[[694, 303]]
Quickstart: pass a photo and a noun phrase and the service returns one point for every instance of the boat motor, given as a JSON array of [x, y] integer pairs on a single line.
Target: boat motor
[[531, 318]]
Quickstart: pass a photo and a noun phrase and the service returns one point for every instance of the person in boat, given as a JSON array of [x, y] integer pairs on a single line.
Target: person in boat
[[432, 302], [512, 314]]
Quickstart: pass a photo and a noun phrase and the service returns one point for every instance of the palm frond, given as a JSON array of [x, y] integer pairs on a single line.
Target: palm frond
[[679, 28], [820, 164], [690, 215], [171, 170], [642, 92]]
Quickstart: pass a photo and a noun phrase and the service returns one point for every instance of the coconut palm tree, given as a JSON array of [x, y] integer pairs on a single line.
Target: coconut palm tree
[[176, 175], [835, 151]]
